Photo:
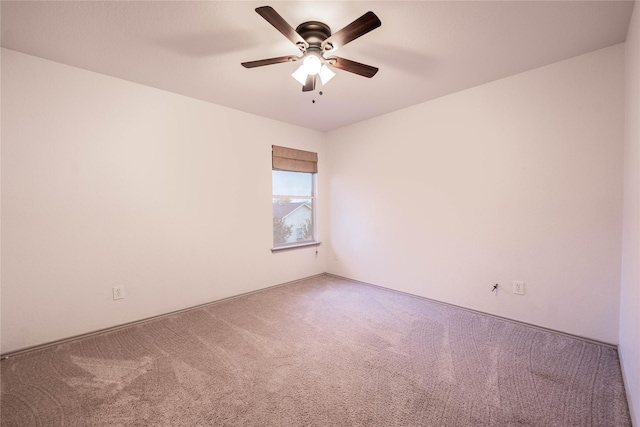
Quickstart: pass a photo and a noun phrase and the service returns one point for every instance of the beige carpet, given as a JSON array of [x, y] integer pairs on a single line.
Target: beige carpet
[[320, 352]]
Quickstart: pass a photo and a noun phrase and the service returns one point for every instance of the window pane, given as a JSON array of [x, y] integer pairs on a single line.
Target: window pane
[[292, 220], [292, 183]]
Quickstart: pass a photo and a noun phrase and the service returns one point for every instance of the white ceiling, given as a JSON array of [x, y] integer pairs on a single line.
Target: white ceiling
[[424, 49]]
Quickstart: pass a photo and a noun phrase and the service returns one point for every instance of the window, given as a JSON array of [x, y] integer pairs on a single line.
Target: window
[[293, 207], [293, 197]]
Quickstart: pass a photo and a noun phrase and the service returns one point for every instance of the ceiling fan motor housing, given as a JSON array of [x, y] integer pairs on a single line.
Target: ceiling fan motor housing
[[314, 33]]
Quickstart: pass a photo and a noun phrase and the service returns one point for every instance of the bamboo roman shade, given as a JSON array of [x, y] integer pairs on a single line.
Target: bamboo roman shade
[[290, 159]]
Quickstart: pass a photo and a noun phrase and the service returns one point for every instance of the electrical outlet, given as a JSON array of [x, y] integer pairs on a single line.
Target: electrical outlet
[[118, 292], [518, 288]]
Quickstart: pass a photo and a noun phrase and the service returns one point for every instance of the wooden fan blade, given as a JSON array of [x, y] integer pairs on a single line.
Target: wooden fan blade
[[262, 62], [361, 26], [353, 66], [310, 85], [278, 22]]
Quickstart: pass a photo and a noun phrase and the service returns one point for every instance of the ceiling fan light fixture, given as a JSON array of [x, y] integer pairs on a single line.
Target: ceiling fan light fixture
[[312, 64], [300, 75], [326, 74]]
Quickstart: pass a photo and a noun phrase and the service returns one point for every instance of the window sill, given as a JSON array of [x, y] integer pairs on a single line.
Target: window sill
[[294, 246]]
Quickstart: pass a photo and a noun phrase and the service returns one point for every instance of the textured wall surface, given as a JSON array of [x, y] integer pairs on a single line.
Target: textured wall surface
[[107, 182], [630, 291], [516, 180]]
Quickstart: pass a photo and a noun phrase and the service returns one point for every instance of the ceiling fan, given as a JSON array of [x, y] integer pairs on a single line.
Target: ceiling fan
[[314, 39]]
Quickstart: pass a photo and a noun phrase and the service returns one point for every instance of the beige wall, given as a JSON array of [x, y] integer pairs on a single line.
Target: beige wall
[[519, 179], [106, 182], [630, 290]]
